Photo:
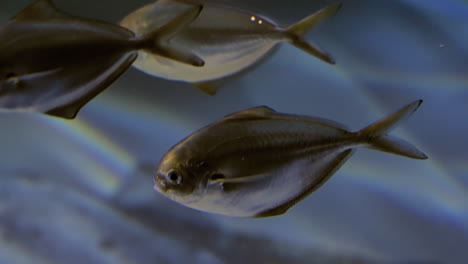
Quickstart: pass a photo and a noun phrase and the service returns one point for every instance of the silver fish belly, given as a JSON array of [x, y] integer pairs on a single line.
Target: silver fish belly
[[259, 162], [228, 39]]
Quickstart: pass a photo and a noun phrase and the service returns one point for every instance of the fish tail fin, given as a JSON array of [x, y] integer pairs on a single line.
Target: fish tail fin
[[376, 134], [299, 29], [157, 41]]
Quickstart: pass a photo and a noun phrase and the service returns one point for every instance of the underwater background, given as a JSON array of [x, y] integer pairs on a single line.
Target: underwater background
[[81, 191]]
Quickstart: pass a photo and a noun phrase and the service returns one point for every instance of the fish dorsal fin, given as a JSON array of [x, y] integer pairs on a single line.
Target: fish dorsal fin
[[38, 11], [256, 112]]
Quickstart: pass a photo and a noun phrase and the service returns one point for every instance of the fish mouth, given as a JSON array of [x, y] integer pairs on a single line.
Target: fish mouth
[[160, 184]]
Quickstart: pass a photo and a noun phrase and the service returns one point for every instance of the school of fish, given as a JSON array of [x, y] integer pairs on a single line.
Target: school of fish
[[254, 163], [54, 63]]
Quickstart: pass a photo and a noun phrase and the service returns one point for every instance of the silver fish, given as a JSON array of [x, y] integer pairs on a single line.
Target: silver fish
[[259, 162], [228, 39], [55, 63]]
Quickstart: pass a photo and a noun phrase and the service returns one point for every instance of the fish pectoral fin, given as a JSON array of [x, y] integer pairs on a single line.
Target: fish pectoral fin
[[159, 39], [67, 112], [311, 175], [297, 31], [38, 11], [210, 87], [180, 55], [38, 75], [243, 179], [255, 112]]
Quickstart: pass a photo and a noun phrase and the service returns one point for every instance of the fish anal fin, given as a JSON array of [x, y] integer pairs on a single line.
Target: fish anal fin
[[209, 87], [320, 170], [71, 109], [38, 11], [255, 112], [67, 112]]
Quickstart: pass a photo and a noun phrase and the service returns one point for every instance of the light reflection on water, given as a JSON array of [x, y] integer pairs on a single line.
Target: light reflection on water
[[93, 175]]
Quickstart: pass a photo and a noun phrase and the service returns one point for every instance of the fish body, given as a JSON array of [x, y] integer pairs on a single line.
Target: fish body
[[228, 39], [259, 162], [54, 63]]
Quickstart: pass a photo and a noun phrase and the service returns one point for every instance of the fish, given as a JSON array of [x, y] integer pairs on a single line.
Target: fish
[[259, 162], [54, 63], [230, 40]]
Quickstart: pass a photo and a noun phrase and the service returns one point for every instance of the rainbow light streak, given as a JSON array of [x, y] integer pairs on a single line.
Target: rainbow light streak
[[103, 165], [449, 8], [445, 81], [426, 188], [143, 114], [439, 189]]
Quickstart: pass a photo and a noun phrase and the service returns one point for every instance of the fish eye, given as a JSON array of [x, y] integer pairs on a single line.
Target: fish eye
[[174, 177]]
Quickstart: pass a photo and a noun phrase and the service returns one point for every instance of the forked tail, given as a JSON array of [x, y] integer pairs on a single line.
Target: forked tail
[[299, 29], [157, 41], [376, 134]]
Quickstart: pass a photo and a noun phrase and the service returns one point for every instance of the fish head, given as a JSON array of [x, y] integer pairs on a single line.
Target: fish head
[[176, 177], [183, 176]]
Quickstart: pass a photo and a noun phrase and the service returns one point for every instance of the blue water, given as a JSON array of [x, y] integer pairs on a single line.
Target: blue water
[[81, 191]]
